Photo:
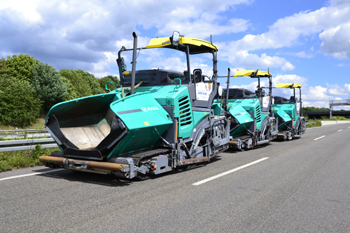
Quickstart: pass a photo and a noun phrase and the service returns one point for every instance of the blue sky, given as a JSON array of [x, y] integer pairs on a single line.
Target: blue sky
[[306, 42]]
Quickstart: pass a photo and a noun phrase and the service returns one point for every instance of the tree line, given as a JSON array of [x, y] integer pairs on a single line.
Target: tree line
[[314, 109], [29, 88]]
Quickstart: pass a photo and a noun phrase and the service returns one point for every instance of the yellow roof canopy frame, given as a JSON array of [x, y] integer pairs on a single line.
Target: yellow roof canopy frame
[[288, 85], [252, 73], [195, 45]]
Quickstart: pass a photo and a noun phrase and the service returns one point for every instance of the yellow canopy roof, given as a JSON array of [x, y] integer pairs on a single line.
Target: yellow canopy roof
[[252, 73], [195, 45], [288, 85]]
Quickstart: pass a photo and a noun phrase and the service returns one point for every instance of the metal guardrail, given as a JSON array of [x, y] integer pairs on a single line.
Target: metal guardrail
[[17, 140], [310, 123], [24, 136], [29, 141], [14, 131], [18, 148]]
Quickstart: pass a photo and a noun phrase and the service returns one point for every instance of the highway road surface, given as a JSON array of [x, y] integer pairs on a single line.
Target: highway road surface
[[301, 185]]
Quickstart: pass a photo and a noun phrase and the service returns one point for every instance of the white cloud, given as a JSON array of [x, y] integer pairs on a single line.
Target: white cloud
[[336, 41], [190, 29], [286, 31], [332, 22], [77, 34], [103, 68], [252, 86], [336, 90], [317, 93], [303, 54], [343, 65], [317, 104], [289, 78], [339, 3], [246, 59], [316, 96], [347, 88], [319, 96], [25, 10]]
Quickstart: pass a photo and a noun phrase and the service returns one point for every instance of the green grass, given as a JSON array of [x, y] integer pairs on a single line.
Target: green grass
[[324, 118], [334, 118], [340, 118], [40, 124], [27, 158], [317, 123], [21, 159]]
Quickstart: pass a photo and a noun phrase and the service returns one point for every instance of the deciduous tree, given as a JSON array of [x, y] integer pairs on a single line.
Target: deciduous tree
[[111, 78], [48, 85], [18, 103], [21, 66]]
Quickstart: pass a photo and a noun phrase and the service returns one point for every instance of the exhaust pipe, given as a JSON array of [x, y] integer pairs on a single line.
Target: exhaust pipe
[[227, 88], [133, 63], [85, 165]]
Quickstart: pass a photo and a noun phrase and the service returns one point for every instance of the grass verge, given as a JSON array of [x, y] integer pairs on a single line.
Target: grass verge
[[40, 124], [317, 123], [336, 118], [21, 159]]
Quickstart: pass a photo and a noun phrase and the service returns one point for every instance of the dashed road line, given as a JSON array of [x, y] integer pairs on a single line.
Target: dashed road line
[[228, 172], [30, 174], [320, 137], [340, 130]]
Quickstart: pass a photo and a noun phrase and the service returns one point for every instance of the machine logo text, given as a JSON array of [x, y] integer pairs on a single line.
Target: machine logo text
[[149, 109]]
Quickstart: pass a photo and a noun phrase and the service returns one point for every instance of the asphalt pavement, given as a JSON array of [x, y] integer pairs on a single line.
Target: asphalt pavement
[[288, 186]]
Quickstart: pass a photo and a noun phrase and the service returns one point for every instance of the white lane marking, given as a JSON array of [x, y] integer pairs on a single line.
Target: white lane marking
[[228, 172], [340, 130], [320, 137], [30, 174]]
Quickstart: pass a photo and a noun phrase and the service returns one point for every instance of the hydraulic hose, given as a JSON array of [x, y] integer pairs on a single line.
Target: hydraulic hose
[[186, 150], [129, 88]]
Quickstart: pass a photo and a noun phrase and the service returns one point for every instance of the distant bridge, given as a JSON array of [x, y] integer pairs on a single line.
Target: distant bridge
[[319, 114], [337, 103]]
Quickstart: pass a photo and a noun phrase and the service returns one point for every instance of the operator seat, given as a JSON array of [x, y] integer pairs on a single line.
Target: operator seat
[[292, 99], [197, 73]]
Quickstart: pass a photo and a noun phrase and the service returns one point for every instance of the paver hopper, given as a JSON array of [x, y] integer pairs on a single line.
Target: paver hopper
[[289, 113], [251, 121], [163, 122]]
